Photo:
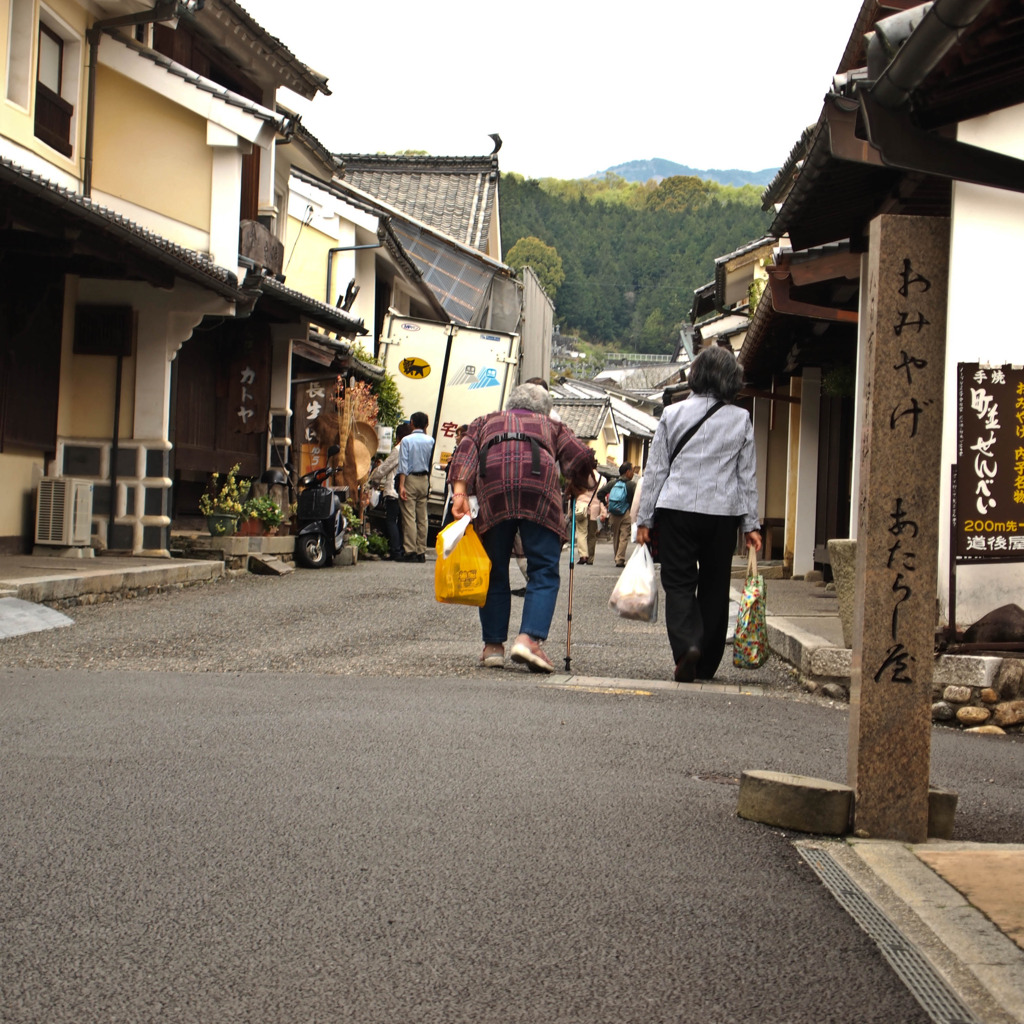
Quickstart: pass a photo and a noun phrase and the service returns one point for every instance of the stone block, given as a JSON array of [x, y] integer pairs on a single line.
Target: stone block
[[989, 696], [965, 670], [973, 716], [835, 691], [843, 556], [957, 694], [796, 802], [942, 712], [269, 565], [987, 730], [1010, 713], [794, 645], [831, 662], [1009, 682], [941, 808]]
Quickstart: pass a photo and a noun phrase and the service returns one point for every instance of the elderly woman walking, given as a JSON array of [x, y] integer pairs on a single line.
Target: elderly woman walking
[[511, 461], [699, 495]]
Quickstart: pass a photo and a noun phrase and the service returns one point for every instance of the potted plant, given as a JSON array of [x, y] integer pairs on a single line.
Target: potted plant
[[264, 512], [222, 503]]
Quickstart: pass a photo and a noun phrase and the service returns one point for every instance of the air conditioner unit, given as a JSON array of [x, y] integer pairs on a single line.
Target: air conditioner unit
[[64, 512]]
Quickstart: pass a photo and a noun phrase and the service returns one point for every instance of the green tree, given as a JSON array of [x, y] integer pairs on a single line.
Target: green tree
[[541, 258]]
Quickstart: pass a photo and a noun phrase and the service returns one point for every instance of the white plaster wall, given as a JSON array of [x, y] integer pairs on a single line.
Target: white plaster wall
[[987, 239], [807, 472], [860, 408]]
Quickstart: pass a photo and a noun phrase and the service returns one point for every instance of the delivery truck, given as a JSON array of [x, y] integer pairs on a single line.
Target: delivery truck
[[452, 373]]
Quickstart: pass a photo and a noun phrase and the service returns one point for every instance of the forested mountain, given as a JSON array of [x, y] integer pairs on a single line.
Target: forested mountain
[[632, 254], [659, 169]]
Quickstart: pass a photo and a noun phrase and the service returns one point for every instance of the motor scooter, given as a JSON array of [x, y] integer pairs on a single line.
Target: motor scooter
[[321, 523]]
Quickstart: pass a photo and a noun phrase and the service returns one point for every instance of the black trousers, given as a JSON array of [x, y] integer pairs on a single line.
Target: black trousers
[[696, 553], [393, 513]]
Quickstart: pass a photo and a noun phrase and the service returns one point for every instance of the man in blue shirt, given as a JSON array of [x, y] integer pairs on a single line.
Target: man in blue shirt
[[414, 457]]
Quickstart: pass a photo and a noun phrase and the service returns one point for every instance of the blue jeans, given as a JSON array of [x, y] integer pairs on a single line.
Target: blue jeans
[[543, 550]]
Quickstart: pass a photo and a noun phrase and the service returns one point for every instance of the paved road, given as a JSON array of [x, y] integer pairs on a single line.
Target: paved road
[[376, 617], [265, 800]]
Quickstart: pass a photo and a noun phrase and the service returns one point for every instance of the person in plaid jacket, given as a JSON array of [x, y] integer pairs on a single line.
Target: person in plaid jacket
[[511, 461]]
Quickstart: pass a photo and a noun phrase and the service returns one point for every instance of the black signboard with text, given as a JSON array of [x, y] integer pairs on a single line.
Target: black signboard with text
[[988, 496]]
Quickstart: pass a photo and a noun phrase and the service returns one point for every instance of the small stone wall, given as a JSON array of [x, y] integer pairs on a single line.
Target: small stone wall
[[998, 708], [971, 692], [234, 551]]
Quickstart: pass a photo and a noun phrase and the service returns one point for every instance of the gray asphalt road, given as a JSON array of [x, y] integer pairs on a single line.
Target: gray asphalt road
[[376, 617], [299, 800]]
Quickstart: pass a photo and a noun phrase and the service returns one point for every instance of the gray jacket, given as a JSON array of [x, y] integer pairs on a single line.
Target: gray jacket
[[715, 473]]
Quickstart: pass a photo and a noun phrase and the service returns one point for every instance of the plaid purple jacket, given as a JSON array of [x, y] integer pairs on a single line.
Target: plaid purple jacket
[[509, 490]]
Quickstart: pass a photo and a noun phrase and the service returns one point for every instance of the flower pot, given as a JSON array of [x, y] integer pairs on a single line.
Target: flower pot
[[222, 524], [250, 528]]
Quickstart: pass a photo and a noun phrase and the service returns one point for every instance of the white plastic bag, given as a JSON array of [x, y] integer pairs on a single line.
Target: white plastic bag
[[635, 595], [453, 533]]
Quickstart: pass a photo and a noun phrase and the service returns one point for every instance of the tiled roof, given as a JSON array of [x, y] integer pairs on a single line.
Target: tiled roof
[[245, 31], [453, 195], [646, 378], [232, 99], [385, 232], [628, 417], [186, 263], [585, 417], [330, 317], [345, 356]]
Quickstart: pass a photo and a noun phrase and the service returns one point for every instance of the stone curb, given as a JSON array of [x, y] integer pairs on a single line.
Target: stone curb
[[818, 660], [977, 944], [94, 583]]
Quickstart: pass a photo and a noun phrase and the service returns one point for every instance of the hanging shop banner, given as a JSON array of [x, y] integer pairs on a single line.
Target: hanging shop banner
[[988, 500]]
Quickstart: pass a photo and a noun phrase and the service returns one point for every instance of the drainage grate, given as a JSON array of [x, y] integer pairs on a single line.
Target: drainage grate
[[926, 985]]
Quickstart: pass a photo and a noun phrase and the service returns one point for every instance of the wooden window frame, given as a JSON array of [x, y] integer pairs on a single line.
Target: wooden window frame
[[53, 113]]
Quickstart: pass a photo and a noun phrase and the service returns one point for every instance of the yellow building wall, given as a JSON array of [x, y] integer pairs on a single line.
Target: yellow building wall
[[305, 257], [90, 411], [86, 408], [151, 152], [21, 474], [600, 447], [777, 477]]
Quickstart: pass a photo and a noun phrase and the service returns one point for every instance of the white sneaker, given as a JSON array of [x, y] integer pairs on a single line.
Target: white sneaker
[[527, 651], [493, 656]]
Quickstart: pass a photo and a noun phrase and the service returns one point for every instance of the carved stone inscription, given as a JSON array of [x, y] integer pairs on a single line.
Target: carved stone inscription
[[897, 542]]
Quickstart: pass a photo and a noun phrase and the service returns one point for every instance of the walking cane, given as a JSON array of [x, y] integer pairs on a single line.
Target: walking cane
[[572, 566]]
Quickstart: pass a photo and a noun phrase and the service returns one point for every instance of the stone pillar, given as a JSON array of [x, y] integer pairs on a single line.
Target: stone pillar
[[898, 514]]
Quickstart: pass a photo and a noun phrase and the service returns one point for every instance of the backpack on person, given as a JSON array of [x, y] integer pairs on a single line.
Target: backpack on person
[[618, 498]]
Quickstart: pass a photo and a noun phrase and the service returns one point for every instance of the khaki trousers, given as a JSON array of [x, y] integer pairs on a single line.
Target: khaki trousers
[[414, 515], [619, 528]]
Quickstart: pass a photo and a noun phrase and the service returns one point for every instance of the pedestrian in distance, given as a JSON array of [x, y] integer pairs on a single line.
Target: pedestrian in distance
[[384, 477], [617, 497], [414, 461], [698, 495], [511, 461], [589, 513]]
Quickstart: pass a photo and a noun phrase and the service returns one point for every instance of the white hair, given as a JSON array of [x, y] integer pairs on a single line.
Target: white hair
[[531, 397]]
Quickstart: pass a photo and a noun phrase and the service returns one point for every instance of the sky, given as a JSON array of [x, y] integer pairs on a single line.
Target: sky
[[571, 89]]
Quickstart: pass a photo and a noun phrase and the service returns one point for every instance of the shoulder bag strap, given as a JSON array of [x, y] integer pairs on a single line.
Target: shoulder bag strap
[[693, 430]]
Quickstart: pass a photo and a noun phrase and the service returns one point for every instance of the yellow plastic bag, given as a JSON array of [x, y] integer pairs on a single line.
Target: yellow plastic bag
[[462, 575]]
